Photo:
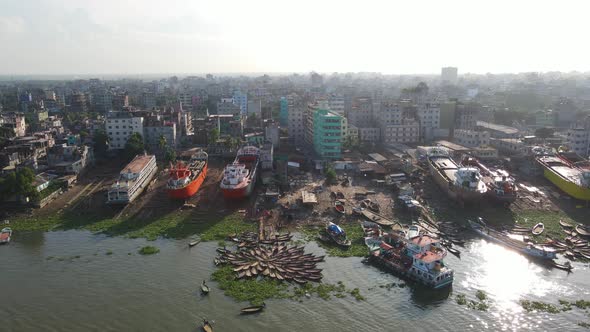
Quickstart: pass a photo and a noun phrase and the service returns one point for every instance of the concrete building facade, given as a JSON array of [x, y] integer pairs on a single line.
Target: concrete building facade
[[120, 126]]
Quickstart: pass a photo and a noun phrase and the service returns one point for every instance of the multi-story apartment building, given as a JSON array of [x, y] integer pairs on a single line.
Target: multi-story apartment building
[[78, 103], [15, 122], [296, 120], [283, 113], [120, 126], [361, 114], [155, 127], [186, 101], [578, 139], [227, 106], [102, 100], [429, 118], [472, 138], [241, 99], [398, 123], [336, 104], [120, 101], [148, 100], [326, 131], [369, 135]]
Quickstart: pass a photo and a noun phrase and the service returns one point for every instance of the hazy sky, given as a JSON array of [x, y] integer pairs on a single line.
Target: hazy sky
[[176, 36]]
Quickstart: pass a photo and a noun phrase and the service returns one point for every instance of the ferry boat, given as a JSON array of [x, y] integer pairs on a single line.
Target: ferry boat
[[501, 186], [184, 180], [240, 176], [463, 184], [573, 180], [531, 250], [133, 179], [420, 258]]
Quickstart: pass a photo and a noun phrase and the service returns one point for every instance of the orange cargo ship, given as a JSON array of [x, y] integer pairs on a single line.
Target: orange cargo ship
[[185, 181]]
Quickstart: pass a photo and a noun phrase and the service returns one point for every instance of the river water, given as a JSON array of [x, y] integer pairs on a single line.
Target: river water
[[67, 281]]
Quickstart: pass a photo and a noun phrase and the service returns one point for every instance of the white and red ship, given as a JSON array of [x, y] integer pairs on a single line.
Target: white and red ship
[[185, 180], [501, 186], [239, 177]]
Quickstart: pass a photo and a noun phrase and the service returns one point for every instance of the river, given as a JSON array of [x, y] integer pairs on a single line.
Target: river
[[69, 281]]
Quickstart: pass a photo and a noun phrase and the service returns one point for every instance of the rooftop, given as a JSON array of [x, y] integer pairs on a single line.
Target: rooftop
[[428, 257], [137, 164], [453, 146], [423, 240], [498, 127]]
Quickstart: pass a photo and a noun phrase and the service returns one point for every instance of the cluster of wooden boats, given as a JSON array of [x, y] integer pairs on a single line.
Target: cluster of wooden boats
[[575, 246], [277, 260]]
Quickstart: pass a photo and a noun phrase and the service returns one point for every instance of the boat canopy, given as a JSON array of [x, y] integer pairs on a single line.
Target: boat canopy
[[335, 229]]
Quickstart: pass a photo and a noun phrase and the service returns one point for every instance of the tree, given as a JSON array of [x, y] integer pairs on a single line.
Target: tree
[[83, 135], [252, 120], [170, 155], [162, 143], [134, 145], [544, 133], [19, 183], [213, 135], [330, 175], [101, 141]]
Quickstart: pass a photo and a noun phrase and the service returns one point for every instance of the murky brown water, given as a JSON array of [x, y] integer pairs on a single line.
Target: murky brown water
[[122, 292]]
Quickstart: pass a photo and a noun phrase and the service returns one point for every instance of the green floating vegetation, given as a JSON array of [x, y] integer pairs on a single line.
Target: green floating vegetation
[[482, 303], [221, 243], [220, 230], [251, 290], [108, 253], [149, 250], [461, 299], [355, 234], [391, 285], [256, 291], [539, 306], [584, 324]]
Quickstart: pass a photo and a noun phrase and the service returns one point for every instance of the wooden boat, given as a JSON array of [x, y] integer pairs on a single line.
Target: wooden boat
[[538, 229], [374, 217], [207, 326], [337, 234], [567, 266], [582, 230], [565, 224], [194, 243], [339, 195], [454, 251], [369, 204], [5, 235], [221, 250], [314, 277], [585, 255], [300, 281], [204, 288], [253, 309], [339, 207]]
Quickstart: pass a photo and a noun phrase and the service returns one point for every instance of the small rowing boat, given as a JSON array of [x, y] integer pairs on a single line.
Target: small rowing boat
[[538, 229], [253, 309], [207, 326], [339, 207], [566, 267], [5, 235], [194, 243], [204, 288], [565, 224], [582, 230]]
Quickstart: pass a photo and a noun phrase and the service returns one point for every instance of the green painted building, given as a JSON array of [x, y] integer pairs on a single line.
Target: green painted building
[[328, 131]]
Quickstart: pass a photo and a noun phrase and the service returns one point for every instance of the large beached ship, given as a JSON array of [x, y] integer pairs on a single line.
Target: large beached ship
[[574, 181], [133, 179], [501, 186], [411, 255], [463, 184], [186, 178], [239, 177]]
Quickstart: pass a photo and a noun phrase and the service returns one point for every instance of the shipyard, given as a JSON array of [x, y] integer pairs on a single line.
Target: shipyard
[[240, 209]]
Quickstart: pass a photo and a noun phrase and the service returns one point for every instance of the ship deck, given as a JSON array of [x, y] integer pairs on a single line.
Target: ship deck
[[447, 166], [571, 174]]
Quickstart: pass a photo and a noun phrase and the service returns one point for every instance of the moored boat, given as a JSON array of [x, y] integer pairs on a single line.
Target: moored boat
[[463, 184], [337, 234], [186, 179], [582, 230], [133, 180], [239, 177], [501, 186], [253, 309], [207, 327], [339, 206], [531, 250], [204, 288], [5, 235], [572, 180], [538, 229]]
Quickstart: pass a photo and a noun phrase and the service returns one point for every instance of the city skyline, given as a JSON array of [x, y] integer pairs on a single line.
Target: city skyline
[[92, 38]]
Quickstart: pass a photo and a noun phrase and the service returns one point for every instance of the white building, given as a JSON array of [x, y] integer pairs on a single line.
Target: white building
[[472, 138], [397, 124], [372, 135], [227, 106], [428, 115], [119, 127], [186, 101], [509, 146], [336, 104], [448, 75], [578, 141]]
